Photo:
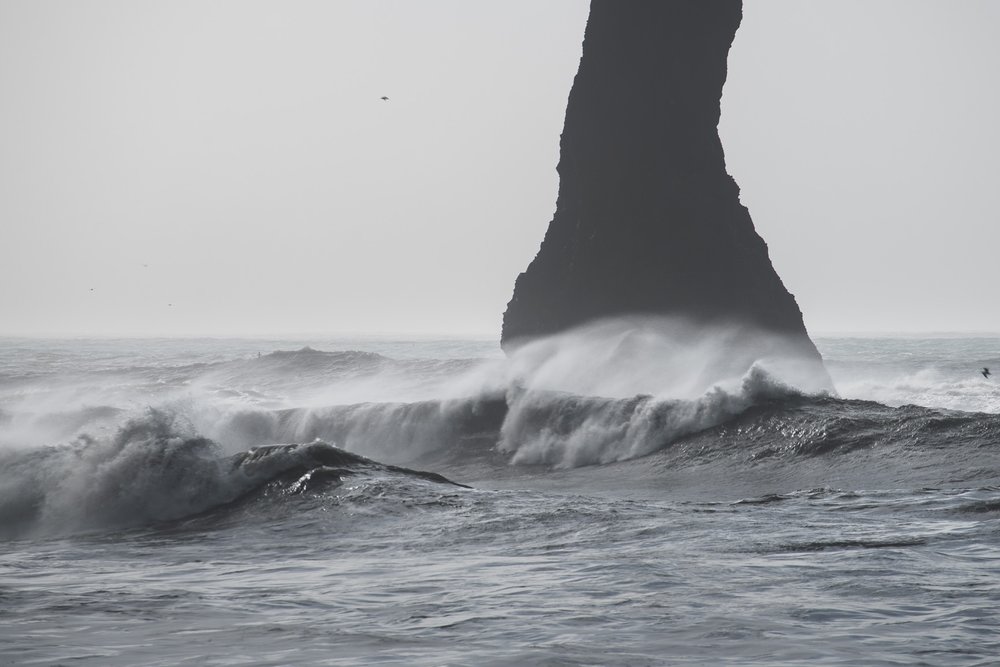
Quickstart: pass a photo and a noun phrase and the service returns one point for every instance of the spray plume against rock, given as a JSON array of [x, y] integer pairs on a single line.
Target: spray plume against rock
[[648, 222]]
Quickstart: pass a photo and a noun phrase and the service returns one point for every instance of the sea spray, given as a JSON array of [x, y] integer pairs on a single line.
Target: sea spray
[[568, 430], [156, 468], [669, 357], [153, 468]]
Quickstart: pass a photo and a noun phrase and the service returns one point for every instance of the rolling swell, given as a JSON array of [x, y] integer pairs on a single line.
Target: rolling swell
[[828, 426], [836, 443]]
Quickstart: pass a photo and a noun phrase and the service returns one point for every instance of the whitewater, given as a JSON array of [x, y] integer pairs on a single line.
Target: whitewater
[[421, 501]]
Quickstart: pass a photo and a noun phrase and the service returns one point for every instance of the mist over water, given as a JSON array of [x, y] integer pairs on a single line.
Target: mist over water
[[940, 372], [628, 493], [620, 389]]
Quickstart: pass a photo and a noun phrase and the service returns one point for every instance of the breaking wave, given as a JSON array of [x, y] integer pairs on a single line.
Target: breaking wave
[[155, 469], [87, 451], [567, 431]]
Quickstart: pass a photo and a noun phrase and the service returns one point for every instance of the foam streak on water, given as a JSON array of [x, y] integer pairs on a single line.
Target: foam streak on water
[[149, 513]]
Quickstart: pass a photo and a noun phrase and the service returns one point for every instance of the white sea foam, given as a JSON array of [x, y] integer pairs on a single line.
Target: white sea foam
[[620, 389], [567, 431]]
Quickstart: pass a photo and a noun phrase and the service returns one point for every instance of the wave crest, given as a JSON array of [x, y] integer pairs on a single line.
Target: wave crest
[[156, 468], [567, 431]]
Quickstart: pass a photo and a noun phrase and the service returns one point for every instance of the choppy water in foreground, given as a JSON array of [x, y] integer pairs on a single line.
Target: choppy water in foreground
[[147, 518]]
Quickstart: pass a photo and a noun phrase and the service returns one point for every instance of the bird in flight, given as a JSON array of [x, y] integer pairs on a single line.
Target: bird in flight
[[384, 98], [985, 372]]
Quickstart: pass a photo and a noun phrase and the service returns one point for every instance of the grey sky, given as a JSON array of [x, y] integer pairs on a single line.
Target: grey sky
[[233, 159]]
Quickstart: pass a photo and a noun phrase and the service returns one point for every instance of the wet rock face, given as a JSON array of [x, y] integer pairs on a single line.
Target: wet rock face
[[648, 221]]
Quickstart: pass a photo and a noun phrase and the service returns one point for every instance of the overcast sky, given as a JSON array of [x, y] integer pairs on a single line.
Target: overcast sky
[[227, 167]]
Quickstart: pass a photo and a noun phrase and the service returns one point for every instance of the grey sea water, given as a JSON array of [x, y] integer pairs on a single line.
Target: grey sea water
[[267, 502]]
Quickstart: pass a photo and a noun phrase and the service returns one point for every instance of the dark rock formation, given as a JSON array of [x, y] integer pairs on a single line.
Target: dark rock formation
[[648, 221]]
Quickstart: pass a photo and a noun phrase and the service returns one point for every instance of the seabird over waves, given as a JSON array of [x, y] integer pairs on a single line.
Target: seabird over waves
[[985, 372]]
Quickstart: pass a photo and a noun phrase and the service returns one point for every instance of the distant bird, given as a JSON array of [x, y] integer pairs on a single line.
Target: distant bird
[[985, 372], [384, 98]]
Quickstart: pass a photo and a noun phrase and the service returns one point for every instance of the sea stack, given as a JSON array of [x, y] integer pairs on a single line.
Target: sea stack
[[648, 221]]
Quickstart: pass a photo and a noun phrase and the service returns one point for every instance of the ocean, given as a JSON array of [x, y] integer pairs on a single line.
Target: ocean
[[375, 500]]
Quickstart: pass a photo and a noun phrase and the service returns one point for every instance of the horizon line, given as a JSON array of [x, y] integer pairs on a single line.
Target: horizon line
[[478, 335]]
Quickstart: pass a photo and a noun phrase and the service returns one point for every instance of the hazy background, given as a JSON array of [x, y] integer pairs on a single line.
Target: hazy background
[[227, 167]]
